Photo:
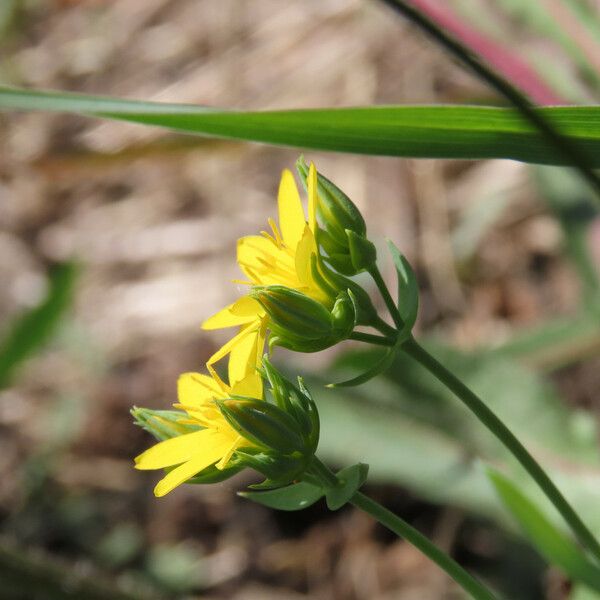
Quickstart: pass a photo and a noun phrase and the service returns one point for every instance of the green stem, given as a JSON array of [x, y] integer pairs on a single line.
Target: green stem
[[371, 339], [410, 534], [384, 328], [387, 298], [576, 156], [418, 540], [505, 435]]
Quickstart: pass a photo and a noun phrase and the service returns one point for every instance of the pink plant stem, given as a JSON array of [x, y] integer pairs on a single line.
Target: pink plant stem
[[504, 61]]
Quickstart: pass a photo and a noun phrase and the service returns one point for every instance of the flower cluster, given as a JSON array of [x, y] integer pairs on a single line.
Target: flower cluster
[[299, 297]]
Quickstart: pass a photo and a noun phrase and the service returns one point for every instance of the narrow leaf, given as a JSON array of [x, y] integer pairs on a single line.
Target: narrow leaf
[[416, 131], [35, 327], [293, 497], [557, 548]]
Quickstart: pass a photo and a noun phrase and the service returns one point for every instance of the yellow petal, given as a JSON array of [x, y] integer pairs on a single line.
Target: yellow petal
[[291, 213], [245, 355], [312, 197], [227, 456], [196, 389], [173, 451], [253, 253], [304, 249], [250, 386], [217, 446], [240, 345], [240, 312]]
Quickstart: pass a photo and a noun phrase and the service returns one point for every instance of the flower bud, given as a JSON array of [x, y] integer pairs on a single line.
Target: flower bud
[[295, 401], [162, 424], [302, 324], [335, 209], [263, 424], [363, 254], [338, 216]]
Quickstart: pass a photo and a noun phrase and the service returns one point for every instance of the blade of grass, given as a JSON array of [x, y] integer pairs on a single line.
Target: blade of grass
[[555, 546], [472, 132], [32, 329], [573, 153]]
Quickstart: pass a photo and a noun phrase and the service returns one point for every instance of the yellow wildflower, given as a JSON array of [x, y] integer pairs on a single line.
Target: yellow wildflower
[[216, 442], [286, 256]]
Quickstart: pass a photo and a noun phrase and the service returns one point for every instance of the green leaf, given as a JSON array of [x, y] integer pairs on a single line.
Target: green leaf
[[581, 592], [29, 332], [416, 131], [556, 547], [350, 480], [408, 291], [413, 432], [381, 364], [293, 497]]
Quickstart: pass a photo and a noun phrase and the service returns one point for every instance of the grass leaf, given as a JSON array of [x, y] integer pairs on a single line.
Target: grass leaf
[[33, 328], [473, 132]]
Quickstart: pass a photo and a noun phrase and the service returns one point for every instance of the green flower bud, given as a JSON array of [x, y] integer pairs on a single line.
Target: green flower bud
[[296, 402], [278, 469], [366, 313], [263, 424], [335, 209], [162, 424], [362, 252], [302, 324]]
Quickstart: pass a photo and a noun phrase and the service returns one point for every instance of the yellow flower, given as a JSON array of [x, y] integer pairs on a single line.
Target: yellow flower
[[216, 442], [287, 256]]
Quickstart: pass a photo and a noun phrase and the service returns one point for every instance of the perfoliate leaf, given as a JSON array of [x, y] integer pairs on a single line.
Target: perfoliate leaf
[[293, 497], [556, 547], [408, 291], [350, 480]]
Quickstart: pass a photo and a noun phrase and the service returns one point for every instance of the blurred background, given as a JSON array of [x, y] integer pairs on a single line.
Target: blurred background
[[116, 241]]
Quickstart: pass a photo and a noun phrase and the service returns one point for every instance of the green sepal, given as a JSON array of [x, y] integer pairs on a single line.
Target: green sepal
[[278, 469], [213, 475], [555, 546], [363, 253], [366, 313], [334, 207], [263, 424], [299, 323], [293, 497], [162, 424], [350, 480], [408, 291], [295, 401]]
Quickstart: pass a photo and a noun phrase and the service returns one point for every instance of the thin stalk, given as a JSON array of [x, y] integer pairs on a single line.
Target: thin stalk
[[387, 298], [378, 340], [384, 328], [401, 528], [505, 435], [562, 144]]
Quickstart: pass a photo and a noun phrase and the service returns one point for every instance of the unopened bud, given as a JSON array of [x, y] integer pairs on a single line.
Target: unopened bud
[[263, 424], [302, 324], [162, 424]]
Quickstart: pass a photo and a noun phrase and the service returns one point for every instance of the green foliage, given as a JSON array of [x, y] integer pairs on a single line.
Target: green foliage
[[557, 548], [29, 332], [293, 497], [414, 432], [350, 481], [416, 131]]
